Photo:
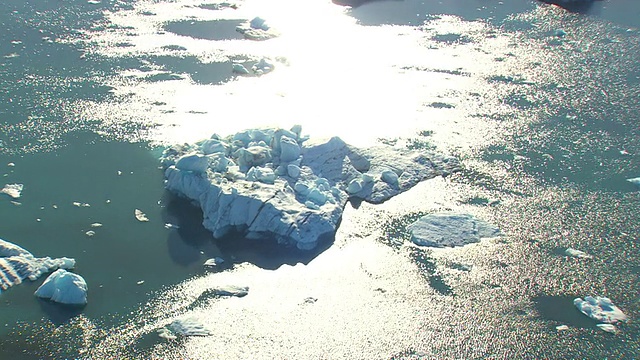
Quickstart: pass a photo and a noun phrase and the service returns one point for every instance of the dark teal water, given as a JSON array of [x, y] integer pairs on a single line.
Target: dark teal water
[[540, 104]]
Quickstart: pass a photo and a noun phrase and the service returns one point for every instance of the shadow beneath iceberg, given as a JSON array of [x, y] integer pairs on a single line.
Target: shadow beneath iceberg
[[189, 241], [267, 253], [59, 314]]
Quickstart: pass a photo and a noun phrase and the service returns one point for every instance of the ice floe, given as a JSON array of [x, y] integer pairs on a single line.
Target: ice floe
[[64, 287], [13, 190], [213, 262], [188, 326], [18, 264], [450, 229], [600, 309], [276, 182]]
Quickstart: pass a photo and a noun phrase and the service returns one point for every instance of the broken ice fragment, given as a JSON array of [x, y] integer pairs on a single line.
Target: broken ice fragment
[[171, 226], [140, 282], [213, 262], [141, 216], [95, 225], [166, 334], [600, 309], [13, 190], [90, 233], [577, 253], [562, 327], [239, 69]]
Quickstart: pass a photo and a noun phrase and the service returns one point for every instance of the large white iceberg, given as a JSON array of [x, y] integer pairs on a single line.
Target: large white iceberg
[[64, 287], [17, 264], [276, 183], [13, 190], [450, 229], [600, 309]]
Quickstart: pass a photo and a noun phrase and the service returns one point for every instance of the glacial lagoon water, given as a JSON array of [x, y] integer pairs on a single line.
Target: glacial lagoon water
[[538, 103]]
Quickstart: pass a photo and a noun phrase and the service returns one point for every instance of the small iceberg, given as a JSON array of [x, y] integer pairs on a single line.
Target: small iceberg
[[600, 309], [13, 190], [257, 29], [17, 264], [450, 230], [577, 253], [140, 216], [213, 262], [635, 181], [64, 287]]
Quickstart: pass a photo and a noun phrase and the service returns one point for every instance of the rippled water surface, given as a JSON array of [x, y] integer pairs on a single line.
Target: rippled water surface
[[539, 104]]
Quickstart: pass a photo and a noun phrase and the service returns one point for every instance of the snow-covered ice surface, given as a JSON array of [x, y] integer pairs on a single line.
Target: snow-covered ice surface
[[600, 309], [275, 182], [450, 229], [18, 264], [64, 287]]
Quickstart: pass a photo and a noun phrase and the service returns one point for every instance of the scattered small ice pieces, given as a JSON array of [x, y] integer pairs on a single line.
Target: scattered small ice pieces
[[13, 190], [634, 181], [90, 233], [600, 309], [190, 326], [213, 262], [608, 328], [16, 203], [450, 229], [562, 327], [64, 287], [141, 216], [140, 282], [577, 253], [171, 226]]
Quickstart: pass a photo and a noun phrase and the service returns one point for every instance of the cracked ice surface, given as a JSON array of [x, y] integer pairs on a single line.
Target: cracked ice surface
[[278, 183]]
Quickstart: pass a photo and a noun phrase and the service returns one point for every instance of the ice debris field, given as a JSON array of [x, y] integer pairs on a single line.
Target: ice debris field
[[277, 183]]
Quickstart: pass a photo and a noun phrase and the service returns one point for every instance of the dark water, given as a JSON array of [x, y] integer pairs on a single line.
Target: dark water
[[539, 103]]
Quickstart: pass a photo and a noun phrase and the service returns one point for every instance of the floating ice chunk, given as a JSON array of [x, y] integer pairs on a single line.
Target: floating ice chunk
[[608, 328], [239, 69], [17, 264], [90, 233], [64, 287], [166, 334], [171, 226], [189, 326], [257, 29], [13, 190], [96, 224], [229, 290], [600, 309], [635, 181], [562, 327], [213, 262], [577, 253], [140, 282], [450, 229], [140, 215], [259, 23]]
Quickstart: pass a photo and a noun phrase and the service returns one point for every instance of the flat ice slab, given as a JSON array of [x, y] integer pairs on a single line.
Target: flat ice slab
[[600, 309], [268, 183], [64, 287], [18, 264], [450, 229]]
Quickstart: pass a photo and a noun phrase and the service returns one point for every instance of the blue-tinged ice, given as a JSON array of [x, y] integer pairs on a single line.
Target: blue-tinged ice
[[278, 183], [64, 287], [600, 309], [635, 181], [450, 230], [18, 264]]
